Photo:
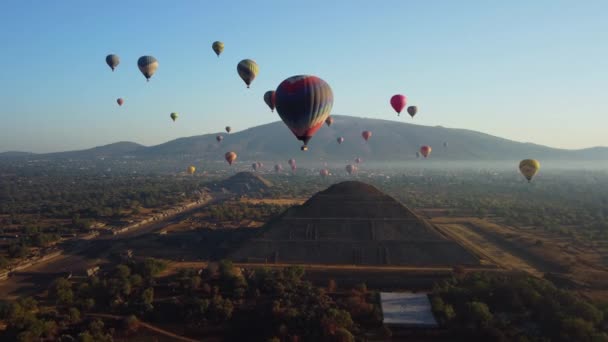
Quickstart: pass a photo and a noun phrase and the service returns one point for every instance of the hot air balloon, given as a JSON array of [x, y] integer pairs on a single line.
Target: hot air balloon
[[219, 138], [260, 164], [303, 103], [358, 160], [324, 172], [445, 144], [351, 169], [269, 99], [425, 150], [112, 61], [191, 170], [278, 168], [248, 70], [529, 168], [340, 140], [173, 116], [412, 110], [147, 65], [398, 102], [230, 157], [366, 135], [329, 121], [120, 101], [217, 47], [228, 129], [255, 166]]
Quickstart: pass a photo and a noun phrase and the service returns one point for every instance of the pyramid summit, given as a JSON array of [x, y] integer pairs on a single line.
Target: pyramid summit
[[352, 223]]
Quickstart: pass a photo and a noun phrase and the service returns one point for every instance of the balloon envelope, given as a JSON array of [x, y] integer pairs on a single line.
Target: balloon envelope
[[340, 140], [112, 61], [304, 103], [218, 47], [529, 168], [174, 116], [269, 98], [191, 170], [324, 172], [398, 102], [248, 70], [147, 65], [219, 138], [412, 110], [425, 150], [329, 121], [120, 101], [366, 135], [228, 129], [351, 169], [230, 157]]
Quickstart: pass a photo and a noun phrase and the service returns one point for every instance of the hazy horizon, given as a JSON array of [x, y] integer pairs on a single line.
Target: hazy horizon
[[528, 72]]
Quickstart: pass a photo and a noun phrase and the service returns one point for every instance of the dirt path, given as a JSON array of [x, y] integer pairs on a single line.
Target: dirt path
[[147, 326], [486, 249]]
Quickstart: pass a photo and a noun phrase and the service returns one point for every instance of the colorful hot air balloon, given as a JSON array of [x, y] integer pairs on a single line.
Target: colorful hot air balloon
[[191, 170], [529, 168], [147, 65], [324, 172], [218, 47], [248, 70], [260, 164], [358, 160], [425, 150], [340, 140], [230, 157], [120, 101], [228, 129], [412, 110], [255, 166], [366, 135], [303, 103], [219, 138], [112, 61], [269, 99], [329, 121], [351, 169], [398, 102], [174, 116], [278, 168]]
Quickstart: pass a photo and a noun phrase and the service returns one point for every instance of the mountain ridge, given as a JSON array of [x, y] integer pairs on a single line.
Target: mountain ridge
[[391, 140]]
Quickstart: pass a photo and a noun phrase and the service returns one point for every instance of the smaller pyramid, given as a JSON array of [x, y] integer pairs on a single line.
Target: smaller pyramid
[[243, 183], [353, 223]]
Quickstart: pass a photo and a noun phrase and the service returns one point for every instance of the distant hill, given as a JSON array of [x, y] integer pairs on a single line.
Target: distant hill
[[352, 223], [391, 140], [243, 183]]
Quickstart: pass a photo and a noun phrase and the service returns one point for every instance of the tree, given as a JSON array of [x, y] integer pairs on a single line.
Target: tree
[[61, 292], [131, 324], [479, 313], [74, 315]]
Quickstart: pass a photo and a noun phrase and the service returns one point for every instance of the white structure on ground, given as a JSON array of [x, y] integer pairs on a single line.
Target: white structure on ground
[[407, 309]]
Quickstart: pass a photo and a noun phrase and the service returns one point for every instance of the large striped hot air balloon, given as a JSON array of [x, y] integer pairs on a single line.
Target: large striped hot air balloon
[[398, 102], [529, 168], [230, 157], [303, 103], [269, 99], [425, 150], [218, 47], [112, 61], [248, 70], [147, 65]]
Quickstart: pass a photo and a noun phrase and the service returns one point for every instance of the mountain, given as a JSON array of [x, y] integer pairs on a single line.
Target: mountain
[[391, 140], [352, 223]]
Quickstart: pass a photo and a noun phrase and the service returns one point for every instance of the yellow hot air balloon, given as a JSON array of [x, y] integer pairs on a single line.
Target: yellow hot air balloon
[[248, 70], [529, 168], [191, 170], [218, 47]]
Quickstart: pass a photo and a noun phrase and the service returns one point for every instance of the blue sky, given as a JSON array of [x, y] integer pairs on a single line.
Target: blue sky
[[525, 70]]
